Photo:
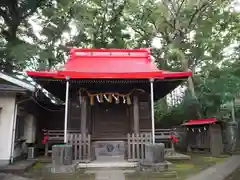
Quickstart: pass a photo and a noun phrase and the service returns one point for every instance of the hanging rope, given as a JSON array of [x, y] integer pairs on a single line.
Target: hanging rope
[[110, 96]]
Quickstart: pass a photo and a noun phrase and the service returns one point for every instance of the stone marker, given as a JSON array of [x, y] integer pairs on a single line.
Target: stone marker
[[216, 144]]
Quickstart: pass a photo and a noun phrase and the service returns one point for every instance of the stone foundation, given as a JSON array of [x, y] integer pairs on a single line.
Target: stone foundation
[[154, 167], [64, 169]]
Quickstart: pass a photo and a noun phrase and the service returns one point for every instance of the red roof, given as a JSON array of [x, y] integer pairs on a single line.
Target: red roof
[[110, 63], [200, 122]]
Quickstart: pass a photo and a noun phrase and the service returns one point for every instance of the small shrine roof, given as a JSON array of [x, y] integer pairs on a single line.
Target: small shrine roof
[[200, 122]]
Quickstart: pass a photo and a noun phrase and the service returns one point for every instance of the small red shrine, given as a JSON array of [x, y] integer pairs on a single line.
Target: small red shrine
[[109, 97], [204, 135]]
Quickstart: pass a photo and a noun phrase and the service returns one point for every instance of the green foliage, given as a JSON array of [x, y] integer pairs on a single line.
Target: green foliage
[[14, 14], [193, 35], [206, 30], [178, 114], [69, 23]]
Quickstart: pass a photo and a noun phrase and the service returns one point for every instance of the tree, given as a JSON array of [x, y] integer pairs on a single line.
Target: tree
[[101, 24], [192, 34], [96, 24], [14, 13]]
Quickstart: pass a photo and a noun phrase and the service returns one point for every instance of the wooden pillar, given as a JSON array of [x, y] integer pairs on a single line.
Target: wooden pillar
[[83, 115], [135, 114]]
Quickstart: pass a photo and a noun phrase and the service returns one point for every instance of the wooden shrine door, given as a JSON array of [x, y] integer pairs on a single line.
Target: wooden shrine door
[[110, 121]]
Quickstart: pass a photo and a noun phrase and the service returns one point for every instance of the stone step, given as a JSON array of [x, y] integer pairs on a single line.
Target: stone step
[[18, 167]]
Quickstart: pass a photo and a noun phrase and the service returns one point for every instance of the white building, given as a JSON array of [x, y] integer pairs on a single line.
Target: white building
[[11, 146]]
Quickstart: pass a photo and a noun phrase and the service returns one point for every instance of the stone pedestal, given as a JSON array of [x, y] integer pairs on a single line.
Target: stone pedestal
[[154, 158], [62, 161], [154, 153], [62, 155]]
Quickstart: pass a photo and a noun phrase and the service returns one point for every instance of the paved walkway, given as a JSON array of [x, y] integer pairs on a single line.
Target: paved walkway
[[110, 174], [18, 167], [5, 176], [219, 171]]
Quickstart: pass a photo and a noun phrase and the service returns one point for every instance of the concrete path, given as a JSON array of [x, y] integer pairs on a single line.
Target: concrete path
[[110, 174], [5, 176], [18, 167], [219, 171]]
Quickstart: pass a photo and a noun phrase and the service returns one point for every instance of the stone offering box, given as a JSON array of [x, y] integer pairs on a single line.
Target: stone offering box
[[109, 150]]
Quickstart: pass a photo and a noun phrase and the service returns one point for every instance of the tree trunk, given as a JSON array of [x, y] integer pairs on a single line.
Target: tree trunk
[[190, 79], [191, 88], [185, 68]]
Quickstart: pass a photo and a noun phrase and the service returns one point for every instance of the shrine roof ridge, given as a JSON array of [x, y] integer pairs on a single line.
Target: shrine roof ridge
[[86, 63]]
